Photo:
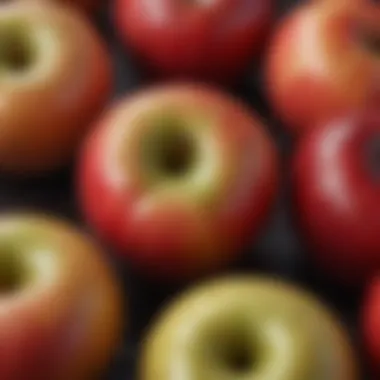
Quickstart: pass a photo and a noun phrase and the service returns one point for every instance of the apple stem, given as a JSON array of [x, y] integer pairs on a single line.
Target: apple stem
[[236, 352], [11, 272]]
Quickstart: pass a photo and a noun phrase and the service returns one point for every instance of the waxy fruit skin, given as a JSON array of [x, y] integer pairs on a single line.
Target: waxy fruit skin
[[48, 105], [320, 63], [336, 195], [186, 225], [247, 327], [202, 40], [63, 317]]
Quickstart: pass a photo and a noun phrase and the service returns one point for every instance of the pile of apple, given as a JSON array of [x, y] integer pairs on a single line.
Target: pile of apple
[[180, 176]]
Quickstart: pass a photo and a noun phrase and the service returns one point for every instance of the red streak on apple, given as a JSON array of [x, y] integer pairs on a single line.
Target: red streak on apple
[[211, 40], [337, 195]]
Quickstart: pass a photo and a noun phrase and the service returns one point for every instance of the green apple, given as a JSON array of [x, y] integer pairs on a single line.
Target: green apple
[[247, 328]]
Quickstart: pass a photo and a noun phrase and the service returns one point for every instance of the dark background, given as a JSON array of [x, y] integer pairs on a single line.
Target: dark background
[[279, 251]]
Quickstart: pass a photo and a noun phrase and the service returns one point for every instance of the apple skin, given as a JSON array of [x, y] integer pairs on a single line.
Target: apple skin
[[64, 321], [202, 40], [178, 229], [371, 322], [282, 332], [47, 108], [317, 67], [336, 195]]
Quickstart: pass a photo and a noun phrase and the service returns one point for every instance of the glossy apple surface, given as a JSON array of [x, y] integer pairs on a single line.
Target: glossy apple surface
[[324, 61], [55, 77], [210, 40], [336, 192], [250, 328], [178, 178], [371, 322], [60, 303]]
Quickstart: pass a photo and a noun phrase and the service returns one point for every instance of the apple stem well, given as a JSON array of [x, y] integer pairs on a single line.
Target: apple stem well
[[235, 351], [11, 272], [169, 150], [370, 39], [16, 50], [238, 359]]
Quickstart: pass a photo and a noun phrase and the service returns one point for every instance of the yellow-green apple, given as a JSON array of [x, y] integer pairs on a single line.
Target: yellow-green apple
[[178, 178], [323, 61], [55, 77], [246, 327], [209, 40], [60, 303]]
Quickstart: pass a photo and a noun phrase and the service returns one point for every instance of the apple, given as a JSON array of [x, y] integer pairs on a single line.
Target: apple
[[371, 322], [55, 77], [213, 40], [60, 303], [178, 177], [336, 192], [246, 327], [323, 61]]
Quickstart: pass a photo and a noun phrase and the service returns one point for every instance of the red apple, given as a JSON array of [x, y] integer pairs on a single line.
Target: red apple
[[337, 194], [324, 60], [60, 304], [203, 39], [371, 322], [55, 77], [247, 327], [178, 178]]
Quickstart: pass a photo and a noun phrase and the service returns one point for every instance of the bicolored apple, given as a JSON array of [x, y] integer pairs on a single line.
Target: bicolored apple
[[55, 77], [210, 40], [336, 194], [178, 178], [60, 302], [247, 327], [324, 61]]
